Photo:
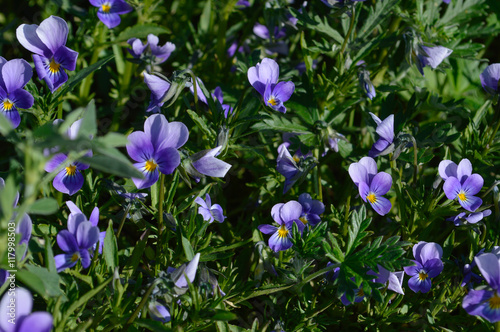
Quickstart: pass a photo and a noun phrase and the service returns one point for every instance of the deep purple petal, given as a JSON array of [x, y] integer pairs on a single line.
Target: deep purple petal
[[110, 20], [22, 99], [42, 320], [217, 213], [382, 205], [120, 7], [447, 168], [23, 228], [94, 216], [156, 129], [380, 145], [139, 146], [381, 183], [87, 235], [149, 179], [472, 203], [286, 166], [158, 86], [433, 267], [66, 57], [68, 184], [489, 77], [15, 74], [66, 261], [218, 94], [85, 257], [167, 159], [473, 184], [267, 229], [67, 242], [477, 302], [283, 90], [278, 243], [40, 62], [452, 187], [53, 32], [13, 116], [489, 265]]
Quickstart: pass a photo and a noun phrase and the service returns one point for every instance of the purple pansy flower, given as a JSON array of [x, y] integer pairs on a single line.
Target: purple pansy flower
[[110, 10], [470, 277], [220, 97], [285, 214], [159, 88], [243, 3], [428, 265], [25, 320], [311, 209], [486, 302], [206, 163], [287, 142], [431, 56], [372, 184], [159, 53], [94, 220], [51, 56], [76, 242], [385, 129], [69, 180], [273, 46], [465, 191], [287, 166], [208, 211], [264, 78], [490, 77], [14, 75], [472, 218], [331, 140], [155, 148]]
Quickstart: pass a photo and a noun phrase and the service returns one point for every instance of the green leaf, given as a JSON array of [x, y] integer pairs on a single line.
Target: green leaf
[[223, 315], [88, 127], [280, 123], [188, 249], [200, 123], [205, 18], [40, 280], [375, 17], [141, 31], [112, 161], [44, 206], [357, 233], [110, 248], [135, 258], [5, 125], [113, 140], [74, 80]]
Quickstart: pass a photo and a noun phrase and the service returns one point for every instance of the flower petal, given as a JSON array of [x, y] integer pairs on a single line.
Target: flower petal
[[167, 159], [177, 135], [386, 128], [267, 229], [489, 265], [190, 272], [64, 261], [139, 146], [473, 184], [433, 267], [489, 77], [66, 57], [27, 36], [464, 170], [396, 282], [290, 211], [429, 251], [156, 129], [217, 213], [111, 20], [41, 319], [158, 86], [371, 167], [68, 184], [24, 303], [382, 205], [149, 179], [67, 241], [283, 90], [472, 203], [447, 168], [277, 243], [86, 235], [358, 173], [15, 74], [381, 183], [452, 187], [22, 99], [53, 32]]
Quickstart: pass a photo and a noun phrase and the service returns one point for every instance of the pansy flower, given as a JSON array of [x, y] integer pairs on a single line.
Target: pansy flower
[[428, 265], [48, 42], [159, 88], [220, 98], [94, 220], [179, 275], [110, 10], [385, 129], [14, 75], [206, 163], [285, 214], [372, 184], [24, 320], [486, 302], [264, 78], [159, 312], [155, 148], [431, 56], [208, 211], [490, 77], [76, 242], [159, 54], [465, 191], [311, 209], [472, 218]]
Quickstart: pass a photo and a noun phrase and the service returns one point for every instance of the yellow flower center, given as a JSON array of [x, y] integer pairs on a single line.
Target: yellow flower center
[[106, 7], [71, 170], [150, 165], [372, 198], [360, 293], [494, 301], [75, 257], [282, 231], [54, 66], [296, 158], [422, 276], [461, 196], [7, 105], [272, 101], [303, 219]]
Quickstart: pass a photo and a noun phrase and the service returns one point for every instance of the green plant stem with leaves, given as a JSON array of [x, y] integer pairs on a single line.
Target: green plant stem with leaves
[[159, 244]]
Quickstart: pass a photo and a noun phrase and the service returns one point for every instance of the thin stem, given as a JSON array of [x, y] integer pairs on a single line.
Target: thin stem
[[317, 175], [161, 198], [122, 222], [351, 26], [415, 160], [141, 304]]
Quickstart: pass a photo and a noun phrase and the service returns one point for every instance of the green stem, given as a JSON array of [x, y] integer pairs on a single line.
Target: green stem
[[415, 160], [141, 304], [317, 175], [122, 96], [99, 38], [497, 327], [122, 222], [161, 198], [351, 26]]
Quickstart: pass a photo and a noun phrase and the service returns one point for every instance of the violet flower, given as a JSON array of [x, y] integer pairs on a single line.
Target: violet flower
[[159, 89], [291, 167], [51, 56], [470, 277], [199, 92], [220, 97], [273, 46], [385, 129], [264, 78], [110, 10], [14, 75], [94, 220], [155, 148], [160, 54], [428, 265], [69, 180], [25, 320], [311, 209], [285, 214], [465, 191], [159, 312], [208, 211], [431, 56], [372, 184], [189, 270], [76, 242], [486, 302], [472, 218], [490, 77]]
